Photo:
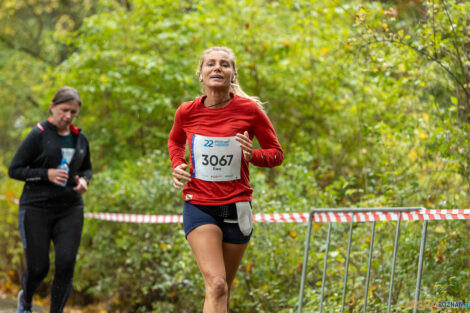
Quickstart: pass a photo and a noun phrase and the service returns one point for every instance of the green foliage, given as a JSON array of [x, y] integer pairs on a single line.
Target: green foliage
[[369, 100], [11, 249], [34, 38]]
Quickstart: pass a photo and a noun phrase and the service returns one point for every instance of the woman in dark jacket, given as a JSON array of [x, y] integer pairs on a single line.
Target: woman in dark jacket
[[51, 205]]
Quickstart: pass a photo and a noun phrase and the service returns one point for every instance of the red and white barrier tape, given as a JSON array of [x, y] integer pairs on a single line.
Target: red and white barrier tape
[[418, 215], [136, 218]]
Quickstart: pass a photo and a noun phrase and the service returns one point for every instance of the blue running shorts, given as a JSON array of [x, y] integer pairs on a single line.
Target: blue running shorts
[[194, 217]]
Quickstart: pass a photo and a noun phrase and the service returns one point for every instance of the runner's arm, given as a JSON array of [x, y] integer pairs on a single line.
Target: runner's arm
[[177, 142], [270, 154], [20, 165]]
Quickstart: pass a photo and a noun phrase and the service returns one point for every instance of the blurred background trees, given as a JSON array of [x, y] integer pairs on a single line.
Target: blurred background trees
[[370, 101]]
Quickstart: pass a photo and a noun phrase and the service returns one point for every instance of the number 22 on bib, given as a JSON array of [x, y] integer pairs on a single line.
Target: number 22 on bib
[[215, 158]]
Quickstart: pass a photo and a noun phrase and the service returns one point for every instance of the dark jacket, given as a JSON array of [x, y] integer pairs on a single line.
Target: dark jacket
[[40, 151]]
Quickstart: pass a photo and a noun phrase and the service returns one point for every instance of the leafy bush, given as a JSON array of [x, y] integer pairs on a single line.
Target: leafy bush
[[369, 103]]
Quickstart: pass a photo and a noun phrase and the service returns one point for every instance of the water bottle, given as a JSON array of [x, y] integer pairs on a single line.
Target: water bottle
[[63, 166]]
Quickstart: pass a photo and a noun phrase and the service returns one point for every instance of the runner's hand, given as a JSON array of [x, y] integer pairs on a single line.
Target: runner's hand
[[56, 176], [246, 144], [179, 174], [82, 185]]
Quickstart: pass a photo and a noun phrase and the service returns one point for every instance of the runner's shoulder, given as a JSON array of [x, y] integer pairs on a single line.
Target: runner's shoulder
[[188, 106], [246, 105]]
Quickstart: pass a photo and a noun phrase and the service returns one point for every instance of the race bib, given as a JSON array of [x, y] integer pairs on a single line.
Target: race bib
[[215, 158], [68, 153]]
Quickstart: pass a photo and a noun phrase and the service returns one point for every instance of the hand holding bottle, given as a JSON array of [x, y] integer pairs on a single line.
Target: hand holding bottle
[[59, 175]]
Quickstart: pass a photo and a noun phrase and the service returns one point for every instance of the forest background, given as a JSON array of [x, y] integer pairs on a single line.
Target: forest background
[[370, 101]]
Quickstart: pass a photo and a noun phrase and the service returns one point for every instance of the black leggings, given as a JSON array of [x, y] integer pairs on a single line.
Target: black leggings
[[38, 227]]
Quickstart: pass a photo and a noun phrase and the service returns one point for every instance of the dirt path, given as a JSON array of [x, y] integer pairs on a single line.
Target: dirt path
[[9, 306]]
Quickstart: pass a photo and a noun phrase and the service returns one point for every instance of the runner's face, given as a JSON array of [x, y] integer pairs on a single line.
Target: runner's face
[[64, 113], [217, 71]]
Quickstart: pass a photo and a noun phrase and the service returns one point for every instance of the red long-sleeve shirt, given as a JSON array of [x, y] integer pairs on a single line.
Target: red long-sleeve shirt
[[240, 115]]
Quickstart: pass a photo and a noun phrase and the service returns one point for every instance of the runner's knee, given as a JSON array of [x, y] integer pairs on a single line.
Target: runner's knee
[[38, 272], [217, 286], [64, 268]]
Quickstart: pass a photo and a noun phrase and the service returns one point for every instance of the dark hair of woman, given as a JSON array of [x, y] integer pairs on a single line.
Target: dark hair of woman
[[66, 94]]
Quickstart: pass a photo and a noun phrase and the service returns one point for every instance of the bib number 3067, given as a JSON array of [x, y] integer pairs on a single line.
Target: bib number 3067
[[214, 160]]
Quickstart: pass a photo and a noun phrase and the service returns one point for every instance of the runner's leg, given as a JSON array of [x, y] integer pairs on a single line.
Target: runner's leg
[[36, 236], [233, 254], [66, 237], [206, 244]]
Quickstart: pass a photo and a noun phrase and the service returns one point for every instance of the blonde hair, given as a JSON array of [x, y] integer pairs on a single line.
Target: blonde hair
[[234, 85]]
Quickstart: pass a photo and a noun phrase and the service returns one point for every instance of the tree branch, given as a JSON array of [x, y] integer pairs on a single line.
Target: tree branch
[[26, 50], [457, 50], [429, 57]]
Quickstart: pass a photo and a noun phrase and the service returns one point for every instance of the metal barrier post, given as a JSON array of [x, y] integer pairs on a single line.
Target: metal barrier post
[[371, 250], [347, 263], [395, 245], [325, 261], [304, 263], [420, 262]]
